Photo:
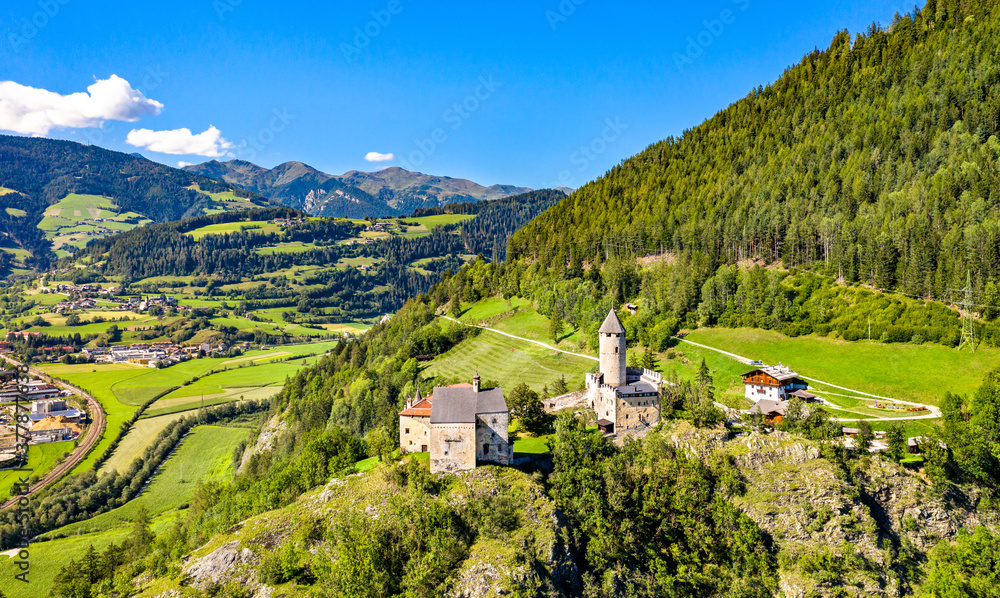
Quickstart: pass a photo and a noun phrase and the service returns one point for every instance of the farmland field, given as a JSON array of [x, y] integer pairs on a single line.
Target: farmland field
[[425, 224], [920, 373], [139, 437], [257, 226], [77, 219], [41, 458], [206, 455]]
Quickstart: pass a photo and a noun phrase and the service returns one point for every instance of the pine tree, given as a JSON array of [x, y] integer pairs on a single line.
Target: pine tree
[[649, 359], [555, 326]]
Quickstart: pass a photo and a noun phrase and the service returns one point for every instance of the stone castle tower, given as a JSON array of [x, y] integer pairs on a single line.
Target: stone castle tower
[[612, 350]]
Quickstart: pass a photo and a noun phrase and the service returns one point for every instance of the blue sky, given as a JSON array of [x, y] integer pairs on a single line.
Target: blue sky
[[526, 93]]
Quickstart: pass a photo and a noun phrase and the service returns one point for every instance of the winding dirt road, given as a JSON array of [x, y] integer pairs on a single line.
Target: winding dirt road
[[933, 412], [91, 436]]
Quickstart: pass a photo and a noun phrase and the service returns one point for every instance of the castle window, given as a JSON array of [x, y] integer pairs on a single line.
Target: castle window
[[486, 449], [616, 349], [407, 431], [494, 421]]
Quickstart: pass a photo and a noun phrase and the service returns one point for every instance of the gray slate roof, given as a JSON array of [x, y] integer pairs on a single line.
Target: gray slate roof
[[612, 324], [461, 405], [638, 387]]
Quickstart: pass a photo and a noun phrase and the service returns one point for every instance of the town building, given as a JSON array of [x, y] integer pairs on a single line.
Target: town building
[[468, 426], [626, 400]]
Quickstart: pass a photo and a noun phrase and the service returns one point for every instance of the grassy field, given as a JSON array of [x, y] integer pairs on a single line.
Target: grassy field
[[920, 373], [257, 226], [41, 458], [509, 361], [78, 219], [293, 247], [142, 435], [206, 454], [526, 323], [426, 224], [99, 380], [532, 445]]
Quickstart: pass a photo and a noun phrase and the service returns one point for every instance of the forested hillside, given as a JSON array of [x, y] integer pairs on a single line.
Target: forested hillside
[[36, 173], [401, 267], [876, 159]]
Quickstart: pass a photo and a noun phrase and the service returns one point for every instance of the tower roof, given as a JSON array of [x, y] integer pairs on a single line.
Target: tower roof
[[612, 324]]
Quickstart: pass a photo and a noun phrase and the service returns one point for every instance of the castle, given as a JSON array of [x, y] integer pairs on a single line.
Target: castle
[[626, 400], [461, 426]]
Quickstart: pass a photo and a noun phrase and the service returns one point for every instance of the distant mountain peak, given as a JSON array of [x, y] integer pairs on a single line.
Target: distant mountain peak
[[391, 191]]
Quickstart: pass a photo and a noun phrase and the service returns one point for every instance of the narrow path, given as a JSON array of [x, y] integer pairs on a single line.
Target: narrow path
[[91, 436], [520, 338], [934, 412]]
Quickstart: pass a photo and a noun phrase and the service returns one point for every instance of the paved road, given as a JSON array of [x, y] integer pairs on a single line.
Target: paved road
[[91, 436], [934, 412], [521, 338]]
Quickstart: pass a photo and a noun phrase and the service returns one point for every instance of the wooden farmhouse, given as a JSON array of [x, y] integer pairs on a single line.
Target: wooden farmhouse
[[775, 383]]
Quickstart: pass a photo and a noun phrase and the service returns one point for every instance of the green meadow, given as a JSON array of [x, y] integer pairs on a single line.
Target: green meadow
[[919, 373], [205, 453], [41, 458], [509, 362]]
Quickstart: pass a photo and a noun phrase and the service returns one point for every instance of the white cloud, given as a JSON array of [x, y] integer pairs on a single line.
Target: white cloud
[[33, 111], [181, 142], [182, 164], [377, 157]]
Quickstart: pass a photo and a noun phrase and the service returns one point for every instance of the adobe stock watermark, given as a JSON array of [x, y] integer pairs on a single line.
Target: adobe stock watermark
[[252, 147], [562, 12], [712, 29], [31, 26], [224, 7], [363, 36], [152, 78], [589, 152], [21, 488], [455, 116]]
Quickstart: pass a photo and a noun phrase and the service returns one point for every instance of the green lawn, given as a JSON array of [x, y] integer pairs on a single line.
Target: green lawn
[[206, 454], [534, 445], [509, 361], [920, 373], [41, 458]]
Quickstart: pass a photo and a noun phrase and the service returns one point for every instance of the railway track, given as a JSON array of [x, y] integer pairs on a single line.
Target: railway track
[[91, 436]]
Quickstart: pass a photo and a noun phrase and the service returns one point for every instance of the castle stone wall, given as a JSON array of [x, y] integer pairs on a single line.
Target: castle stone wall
[[492, 443], [414, 434], [453, 447]]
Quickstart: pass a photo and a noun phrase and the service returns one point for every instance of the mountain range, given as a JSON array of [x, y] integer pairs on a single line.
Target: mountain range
[[393, 191], [36, 174]]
